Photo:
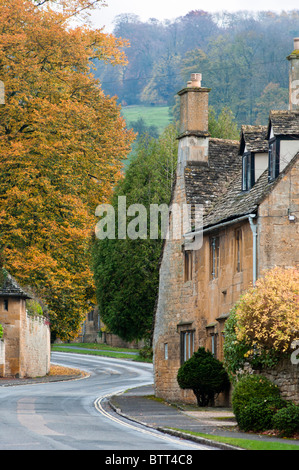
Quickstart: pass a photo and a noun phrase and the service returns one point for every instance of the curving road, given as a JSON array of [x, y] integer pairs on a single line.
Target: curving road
[[69, 415]]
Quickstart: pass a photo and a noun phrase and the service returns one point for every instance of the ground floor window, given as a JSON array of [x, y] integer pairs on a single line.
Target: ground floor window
[[212, 336], [187, 345]]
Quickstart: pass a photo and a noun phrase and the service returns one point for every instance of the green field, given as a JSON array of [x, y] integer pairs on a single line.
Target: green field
[[152, 115]]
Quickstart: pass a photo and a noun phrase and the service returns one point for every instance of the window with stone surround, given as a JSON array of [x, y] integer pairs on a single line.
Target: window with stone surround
[[5, 304], [273, 159], [165, 350], [187, 345], [248, 171], [212, 336]]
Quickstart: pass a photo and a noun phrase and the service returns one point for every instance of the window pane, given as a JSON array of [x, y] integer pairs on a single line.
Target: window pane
[[187, 345], [165, 351]]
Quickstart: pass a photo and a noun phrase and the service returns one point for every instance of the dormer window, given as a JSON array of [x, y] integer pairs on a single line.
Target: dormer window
[[253, 150], [273, 159], [248, 176]]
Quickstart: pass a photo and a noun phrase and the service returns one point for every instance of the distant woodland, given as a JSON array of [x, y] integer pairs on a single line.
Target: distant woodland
[[242, 58]]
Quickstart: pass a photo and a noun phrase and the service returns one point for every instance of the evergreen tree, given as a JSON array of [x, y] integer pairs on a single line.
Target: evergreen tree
[[126, 271]]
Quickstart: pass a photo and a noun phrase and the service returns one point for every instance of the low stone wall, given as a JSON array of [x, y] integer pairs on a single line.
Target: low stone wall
[[286, 377], [116, 342]]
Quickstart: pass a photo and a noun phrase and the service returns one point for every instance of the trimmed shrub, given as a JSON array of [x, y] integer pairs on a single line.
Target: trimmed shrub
[[251, 387], [286, 420], [1, 331], [204, 375], [258, 415]]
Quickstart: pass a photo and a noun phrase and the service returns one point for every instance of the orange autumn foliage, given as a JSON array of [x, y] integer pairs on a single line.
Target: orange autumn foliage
[[62, 143], [268, 314]]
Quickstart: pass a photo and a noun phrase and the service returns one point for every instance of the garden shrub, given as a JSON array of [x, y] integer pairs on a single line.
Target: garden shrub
[[235, 352], [286, 420], [251, 387], [204, 375], [263, 323], [33, 307], [258, 415]]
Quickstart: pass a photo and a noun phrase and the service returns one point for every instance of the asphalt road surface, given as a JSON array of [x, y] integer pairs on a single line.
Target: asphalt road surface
[[70, 415]]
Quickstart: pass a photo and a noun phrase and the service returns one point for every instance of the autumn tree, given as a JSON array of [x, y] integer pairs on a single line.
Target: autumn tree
[[268, 314], [264, 323], [62, 143]]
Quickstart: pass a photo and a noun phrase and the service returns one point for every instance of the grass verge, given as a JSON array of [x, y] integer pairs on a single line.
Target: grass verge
[[247, 444], [100, 350]]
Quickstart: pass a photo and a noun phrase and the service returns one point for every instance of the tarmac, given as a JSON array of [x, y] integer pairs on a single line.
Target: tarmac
[[140, 405]]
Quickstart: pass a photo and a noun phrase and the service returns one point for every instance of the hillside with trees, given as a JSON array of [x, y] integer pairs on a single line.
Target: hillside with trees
[[241, 55]]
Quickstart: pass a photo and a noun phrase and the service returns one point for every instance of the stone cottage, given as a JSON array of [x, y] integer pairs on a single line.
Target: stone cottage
[[25, 347], [249, 193]]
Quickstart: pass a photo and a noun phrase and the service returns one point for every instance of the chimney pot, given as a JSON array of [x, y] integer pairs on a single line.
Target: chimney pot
[[195, 80], [296, 44]]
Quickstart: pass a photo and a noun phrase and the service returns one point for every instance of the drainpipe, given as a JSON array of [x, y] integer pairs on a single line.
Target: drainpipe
[[254, 254]]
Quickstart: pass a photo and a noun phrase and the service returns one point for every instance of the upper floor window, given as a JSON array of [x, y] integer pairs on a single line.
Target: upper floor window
[[214, 257], [188, 265], [273, 159], [248, 171]]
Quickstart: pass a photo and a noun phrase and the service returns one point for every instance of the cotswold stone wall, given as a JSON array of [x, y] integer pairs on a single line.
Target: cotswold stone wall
[[286, 377], [36, 348], [26, 339], [278, 233]]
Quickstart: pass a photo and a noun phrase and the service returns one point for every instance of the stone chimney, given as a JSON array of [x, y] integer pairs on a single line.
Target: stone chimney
[[294, 77], [194, 121]]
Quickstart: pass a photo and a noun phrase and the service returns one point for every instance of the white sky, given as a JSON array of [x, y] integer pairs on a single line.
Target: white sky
[[171, 9]]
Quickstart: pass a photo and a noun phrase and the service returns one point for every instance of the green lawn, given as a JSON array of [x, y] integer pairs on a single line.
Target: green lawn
[[97, 349], [152, 115]]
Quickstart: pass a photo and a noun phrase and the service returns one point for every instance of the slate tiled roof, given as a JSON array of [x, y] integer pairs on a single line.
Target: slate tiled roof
[[206, 182], [255, 139], [284, 122], [9, 286], [236, 203]]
